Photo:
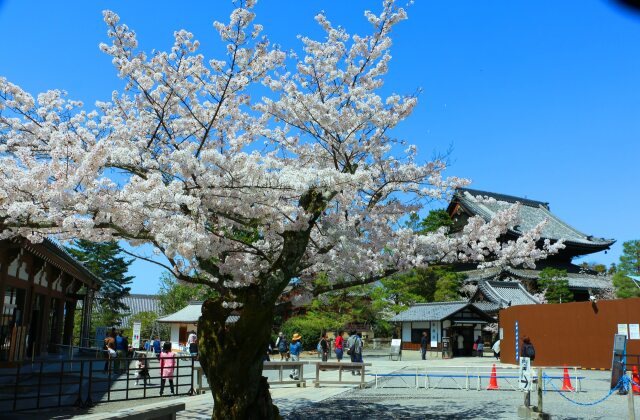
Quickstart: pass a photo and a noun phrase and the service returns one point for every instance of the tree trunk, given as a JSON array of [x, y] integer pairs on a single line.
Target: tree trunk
[[231, 356]]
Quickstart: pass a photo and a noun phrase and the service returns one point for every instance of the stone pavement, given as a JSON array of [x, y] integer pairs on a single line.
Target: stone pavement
[[398, 397]]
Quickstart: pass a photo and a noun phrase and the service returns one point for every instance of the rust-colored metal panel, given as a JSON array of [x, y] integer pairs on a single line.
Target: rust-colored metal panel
[[573, 334]]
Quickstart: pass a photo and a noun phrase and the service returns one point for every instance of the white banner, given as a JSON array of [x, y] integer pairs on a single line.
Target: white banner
[[135, 343]]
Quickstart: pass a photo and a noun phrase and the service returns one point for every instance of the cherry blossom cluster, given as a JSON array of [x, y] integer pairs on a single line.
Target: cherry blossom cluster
[[189, 159]]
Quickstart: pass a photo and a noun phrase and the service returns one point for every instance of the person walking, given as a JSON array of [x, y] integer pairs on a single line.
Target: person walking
[[156, 346], [192, 342], [121, 351], [359, 344], [143, 369], [339, 345], [109, 345], [295, 347], [423, 345], [324, 346], [354, 349], [281, 345], [480, 347], [496, 349], [167, 364], [527, 349]]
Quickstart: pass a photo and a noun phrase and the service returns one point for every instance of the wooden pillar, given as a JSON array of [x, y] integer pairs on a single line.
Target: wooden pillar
[[69, 317], [44, 327], [56, 328]]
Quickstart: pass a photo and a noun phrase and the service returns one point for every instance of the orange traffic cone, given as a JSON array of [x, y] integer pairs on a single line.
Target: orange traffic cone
[[636, 380], [566, 381], [493, 382]]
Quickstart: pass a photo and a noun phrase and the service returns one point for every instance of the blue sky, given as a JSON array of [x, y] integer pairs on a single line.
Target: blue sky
[[537, 99]]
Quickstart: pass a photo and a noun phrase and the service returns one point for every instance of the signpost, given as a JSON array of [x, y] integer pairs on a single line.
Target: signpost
[[617, 362], [137, 326], [525, 376]]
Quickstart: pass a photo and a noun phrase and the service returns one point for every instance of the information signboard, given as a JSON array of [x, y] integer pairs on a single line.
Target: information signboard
[[525, 378], [135, 343]]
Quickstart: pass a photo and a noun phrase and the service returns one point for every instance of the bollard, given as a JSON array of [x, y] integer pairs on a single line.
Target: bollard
[[539, 389], [632, 412]]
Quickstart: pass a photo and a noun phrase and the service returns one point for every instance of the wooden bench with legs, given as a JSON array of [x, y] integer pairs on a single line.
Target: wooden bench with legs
[[341, 367]]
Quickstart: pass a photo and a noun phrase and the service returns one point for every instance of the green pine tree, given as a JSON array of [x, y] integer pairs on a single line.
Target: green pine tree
[[629, 265], [555, 284], [103, 259]]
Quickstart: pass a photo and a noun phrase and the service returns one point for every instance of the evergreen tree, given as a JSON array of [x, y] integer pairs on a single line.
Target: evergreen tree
[[555, 285], [103, 259], [175, 295], [629, 265]]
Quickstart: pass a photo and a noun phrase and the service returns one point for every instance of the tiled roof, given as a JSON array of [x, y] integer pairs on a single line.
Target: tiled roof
[[140, 303], [506, 293], [531, 214], [434, 311], [576, 280], [488, 307], [190, 315]]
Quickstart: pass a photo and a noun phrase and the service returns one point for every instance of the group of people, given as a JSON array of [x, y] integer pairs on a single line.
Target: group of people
[[116, 346], [290, 350], [117, 352]]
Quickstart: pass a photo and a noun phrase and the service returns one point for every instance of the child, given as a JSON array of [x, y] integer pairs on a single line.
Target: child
[[143, 369], [167, 363], [111, 356]]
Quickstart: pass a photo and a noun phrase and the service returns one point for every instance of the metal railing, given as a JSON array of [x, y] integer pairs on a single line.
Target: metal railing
[[84, 383]]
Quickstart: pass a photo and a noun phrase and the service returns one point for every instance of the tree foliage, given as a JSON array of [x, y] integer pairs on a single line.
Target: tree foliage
[[629, 265], [555, 285], [105, 260], [242, 174], [175, 295]]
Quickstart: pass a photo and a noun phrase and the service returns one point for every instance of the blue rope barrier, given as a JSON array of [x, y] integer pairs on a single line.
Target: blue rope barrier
[[624, 380]]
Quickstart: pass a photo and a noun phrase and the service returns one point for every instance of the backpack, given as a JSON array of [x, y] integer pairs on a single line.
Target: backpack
[[282, 344], [529, 352]]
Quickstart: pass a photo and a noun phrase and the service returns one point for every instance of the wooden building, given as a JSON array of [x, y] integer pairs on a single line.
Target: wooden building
[[184, 321], [465, 204], [41, 284]]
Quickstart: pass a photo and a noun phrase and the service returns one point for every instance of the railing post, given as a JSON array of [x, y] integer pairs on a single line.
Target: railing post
[[60, 383], [192, 391], [177, 374], [78, 402], [632, 411], [89, 401], [39, 385], [15, 390], [126, 370], [539, 390]]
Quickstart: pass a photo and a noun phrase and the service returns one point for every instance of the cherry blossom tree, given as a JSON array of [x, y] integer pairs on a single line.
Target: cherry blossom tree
[[238, 192]]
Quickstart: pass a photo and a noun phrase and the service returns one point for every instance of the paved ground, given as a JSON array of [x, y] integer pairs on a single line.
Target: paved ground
[[398, 398]]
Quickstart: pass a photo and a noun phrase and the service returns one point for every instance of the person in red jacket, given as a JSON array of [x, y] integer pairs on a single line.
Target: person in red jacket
[[339, 345]]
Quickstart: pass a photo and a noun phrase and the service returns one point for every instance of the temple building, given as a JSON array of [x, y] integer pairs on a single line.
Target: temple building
[[499, 287], [464, 205], [41, 284]]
